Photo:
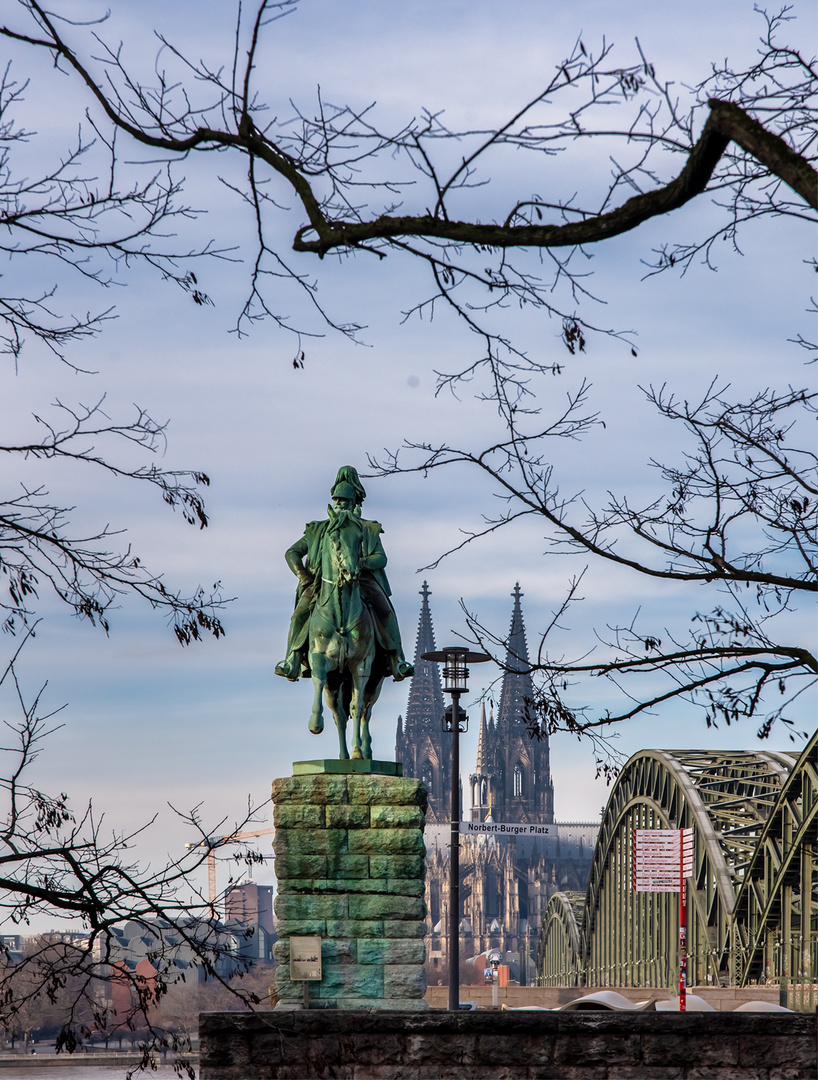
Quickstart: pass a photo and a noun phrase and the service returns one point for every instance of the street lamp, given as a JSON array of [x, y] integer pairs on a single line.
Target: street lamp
[[494, 959], [455, 679]]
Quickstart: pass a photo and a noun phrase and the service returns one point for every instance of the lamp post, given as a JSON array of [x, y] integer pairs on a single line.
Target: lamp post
[[494, 959], [455, 679]]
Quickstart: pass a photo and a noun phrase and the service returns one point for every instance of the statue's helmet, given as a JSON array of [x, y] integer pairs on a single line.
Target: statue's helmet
[[348, 479], [344, 491]]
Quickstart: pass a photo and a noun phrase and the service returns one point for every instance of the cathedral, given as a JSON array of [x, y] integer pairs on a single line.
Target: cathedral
[[420, 743], [505, 880]]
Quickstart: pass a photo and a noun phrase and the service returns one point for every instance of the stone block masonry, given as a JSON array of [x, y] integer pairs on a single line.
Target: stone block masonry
[[350, 869], [364, 1045]]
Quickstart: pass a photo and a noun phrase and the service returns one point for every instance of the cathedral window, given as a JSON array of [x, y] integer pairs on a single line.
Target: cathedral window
[[518, 780], [522, 901], [484, 795], [492, 897], [434, 904], [426, 776]]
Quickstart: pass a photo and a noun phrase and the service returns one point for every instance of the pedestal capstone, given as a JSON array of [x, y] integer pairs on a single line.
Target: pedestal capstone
[[350, 869]]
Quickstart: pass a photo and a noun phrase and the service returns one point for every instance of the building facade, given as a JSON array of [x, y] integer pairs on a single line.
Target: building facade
[[249, 908], [506, 880]]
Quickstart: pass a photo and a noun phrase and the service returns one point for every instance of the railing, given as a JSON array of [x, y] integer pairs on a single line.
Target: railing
[[802, 996]]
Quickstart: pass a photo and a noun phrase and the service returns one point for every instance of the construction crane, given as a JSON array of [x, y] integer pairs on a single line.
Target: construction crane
[[213, 842]]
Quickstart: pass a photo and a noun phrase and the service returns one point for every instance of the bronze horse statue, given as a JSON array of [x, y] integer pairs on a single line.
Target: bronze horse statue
[[344, 632], [344, 658]]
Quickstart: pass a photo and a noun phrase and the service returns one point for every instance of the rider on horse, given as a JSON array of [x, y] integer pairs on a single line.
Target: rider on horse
[[305, 559]]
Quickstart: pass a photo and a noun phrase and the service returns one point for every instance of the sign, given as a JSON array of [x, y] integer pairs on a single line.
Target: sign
[[494, 828], [305, 959], [662, 862], [662, 859]]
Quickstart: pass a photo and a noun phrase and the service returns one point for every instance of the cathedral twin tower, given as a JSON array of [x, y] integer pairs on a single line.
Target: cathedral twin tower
[[511, 781], [505, 881]]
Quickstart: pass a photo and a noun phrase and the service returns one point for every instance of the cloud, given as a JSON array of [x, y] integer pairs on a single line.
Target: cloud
[[148, 722]]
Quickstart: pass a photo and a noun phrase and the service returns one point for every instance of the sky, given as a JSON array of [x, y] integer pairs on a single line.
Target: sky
[[148, 725]]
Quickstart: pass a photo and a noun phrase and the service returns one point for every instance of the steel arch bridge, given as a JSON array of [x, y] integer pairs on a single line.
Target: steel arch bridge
[[753, 897]]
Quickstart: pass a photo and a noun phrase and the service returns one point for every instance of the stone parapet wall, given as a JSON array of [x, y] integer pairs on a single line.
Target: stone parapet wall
[[350, 870], [390, 1045], [724, 999]]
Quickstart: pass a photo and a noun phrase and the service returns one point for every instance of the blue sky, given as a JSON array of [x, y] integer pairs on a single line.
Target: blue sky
[[149, 723]]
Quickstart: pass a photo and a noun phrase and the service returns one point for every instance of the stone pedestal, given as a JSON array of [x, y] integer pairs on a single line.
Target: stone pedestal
[[350, 868]]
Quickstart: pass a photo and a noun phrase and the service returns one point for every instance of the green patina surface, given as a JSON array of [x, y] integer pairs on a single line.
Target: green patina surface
[[350, 867], [299, 817], [301, 866], [294, 906], [371, 951], [348, 816], [310, 790], [328, 842], [385, 905], [379, 886], [406, 928], [366, 980], [350, 766], [344, 628], [403, 980], [409, 1004], [365, 950], [374, 791], [380, 928], [345, 951], [385, 842], [404, 866], [348, 929], [391, 817], [301, 927]]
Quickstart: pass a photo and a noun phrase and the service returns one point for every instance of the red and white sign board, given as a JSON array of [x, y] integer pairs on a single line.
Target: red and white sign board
[[662, 862], [662, 859]]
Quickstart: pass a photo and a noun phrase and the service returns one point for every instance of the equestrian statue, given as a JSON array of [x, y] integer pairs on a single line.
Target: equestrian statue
[[344, 632]]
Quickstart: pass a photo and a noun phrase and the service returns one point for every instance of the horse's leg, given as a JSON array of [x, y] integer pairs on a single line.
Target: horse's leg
[[355, 711], [334, 695], [362, 744], [372, 692], [356, 730], [318, 667]]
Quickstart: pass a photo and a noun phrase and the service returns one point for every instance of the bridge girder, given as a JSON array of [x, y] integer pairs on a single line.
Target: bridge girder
[[753, 890], [558, 950], [776, 912]]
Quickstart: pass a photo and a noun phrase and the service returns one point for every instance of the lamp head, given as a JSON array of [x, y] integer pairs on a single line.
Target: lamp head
[[455, 671]]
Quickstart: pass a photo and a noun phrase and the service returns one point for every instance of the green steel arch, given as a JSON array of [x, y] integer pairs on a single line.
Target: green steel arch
[[558, 951], [776, 913], [752, 897]]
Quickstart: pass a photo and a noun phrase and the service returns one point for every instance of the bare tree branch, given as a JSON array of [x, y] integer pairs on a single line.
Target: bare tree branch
[[67, 866], [37, 543], [740, 512], [749, 139]]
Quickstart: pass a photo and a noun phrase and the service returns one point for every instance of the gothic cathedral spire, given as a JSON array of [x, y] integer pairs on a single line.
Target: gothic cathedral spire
[[518, 691], [513, 773], [420, 743]]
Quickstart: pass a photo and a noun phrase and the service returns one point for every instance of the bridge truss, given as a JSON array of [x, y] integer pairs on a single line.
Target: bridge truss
[[753, 896]]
